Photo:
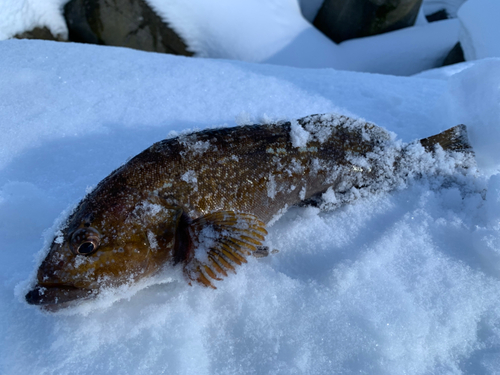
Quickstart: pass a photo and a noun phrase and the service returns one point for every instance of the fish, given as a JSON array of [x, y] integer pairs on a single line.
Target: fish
[[203, 200]]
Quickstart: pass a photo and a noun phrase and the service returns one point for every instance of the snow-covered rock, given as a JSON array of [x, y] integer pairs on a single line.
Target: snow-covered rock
[[125, 23], [19, 16], [346, 19]]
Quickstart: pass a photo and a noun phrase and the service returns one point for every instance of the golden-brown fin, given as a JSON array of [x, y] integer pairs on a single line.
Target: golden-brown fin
[[453, 139], [222, 241]]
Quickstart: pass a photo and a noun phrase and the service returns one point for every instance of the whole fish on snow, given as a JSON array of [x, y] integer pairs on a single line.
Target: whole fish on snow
[[203, 200]]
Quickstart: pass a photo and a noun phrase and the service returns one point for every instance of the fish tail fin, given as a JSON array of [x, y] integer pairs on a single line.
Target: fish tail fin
[[223, 240], [453, 139]]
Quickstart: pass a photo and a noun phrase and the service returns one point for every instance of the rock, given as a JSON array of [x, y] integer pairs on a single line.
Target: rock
[[456, 55], [125, 23], [40, 33], [347, 19], [438, 16]]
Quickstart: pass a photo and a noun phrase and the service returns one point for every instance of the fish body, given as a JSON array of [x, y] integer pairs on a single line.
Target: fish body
[[214, 190]]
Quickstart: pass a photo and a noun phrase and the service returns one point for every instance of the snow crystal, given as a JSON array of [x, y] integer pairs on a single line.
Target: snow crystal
[[206, 241], [302, 194], [298, 134], [190, 178], [271, 187], [329, 196], [243, 118], [59, 237], [193, 145], [153, 244]]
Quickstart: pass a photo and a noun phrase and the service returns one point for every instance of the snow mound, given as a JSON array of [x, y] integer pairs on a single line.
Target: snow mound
[[474, 99], [18, 16], [479, 30]]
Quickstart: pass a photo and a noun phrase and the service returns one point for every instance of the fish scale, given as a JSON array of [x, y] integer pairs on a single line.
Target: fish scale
[[201, 201]]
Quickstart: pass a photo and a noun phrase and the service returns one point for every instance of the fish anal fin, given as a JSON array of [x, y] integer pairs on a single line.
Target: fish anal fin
[[222, 240]]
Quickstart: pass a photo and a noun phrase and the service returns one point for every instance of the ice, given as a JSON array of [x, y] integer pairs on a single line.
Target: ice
[[392, 283], [479, 31]]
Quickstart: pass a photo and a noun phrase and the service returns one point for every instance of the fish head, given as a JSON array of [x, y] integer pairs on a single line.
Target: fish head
[[104, 249]]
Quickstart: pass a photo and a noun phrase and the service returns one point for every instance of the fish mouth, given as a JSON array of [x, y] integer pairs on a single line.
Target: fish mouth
[[53, 298]]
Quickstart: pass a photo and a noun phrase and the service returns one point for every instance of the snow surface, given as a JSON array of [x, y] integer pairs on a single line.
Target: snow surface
[[479, 29], [404, 282]]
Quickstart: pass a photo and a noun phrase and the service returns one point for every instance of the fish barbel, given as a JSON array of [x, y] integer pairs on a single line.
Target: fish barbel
[[202, 200]]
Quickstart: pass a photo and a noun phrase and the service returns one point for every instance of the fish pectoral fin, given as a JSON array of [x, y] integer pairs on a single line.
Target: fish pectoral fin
[[222, 241]]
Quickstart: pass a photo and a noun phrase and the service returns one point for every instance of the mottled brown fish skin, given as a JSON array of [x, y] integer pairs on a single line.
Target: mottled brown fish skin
[[152, 210]]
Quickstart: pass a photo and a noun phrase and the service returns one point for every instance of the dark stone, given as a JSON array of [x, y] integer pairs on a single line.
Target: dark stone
[[456, 55], [39, 33], [438, 16], [124, 23], [347, 19]]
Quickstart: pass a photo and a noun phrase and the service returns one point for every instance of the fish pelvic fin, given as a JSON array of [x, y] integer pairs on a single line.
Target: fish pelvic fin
[[222, 241], [453, 139]]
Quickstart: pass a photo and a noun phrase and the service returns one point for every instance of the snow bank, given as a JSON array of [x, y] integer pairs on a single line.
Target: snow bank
[[479, 30], [402, 52], [276, 32], [406, 282], [249, 30], [474, 99], [18, 16]]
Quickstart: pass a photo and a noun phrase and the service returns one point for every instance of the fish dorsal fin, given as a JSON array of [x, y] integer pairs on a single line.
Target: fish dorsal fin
[[222, 240]]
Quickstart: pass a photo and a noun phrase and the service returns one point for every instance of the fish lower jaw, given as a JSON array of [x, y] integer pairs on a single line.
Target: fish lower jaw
[[56, 297]]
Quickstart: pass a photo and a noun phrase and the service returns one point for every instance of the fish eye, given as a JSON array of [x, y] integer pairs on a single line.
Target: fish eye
[[85, 241], [85, 248]]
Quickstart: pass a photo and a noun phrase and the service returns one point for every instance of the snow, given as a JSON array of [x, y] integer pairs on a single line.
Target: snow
[[401, 282], [17, 16], [249, 30], [276, 32], [419, 48], [298, 134], [269, 31], [479, 31], [474, 99]]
